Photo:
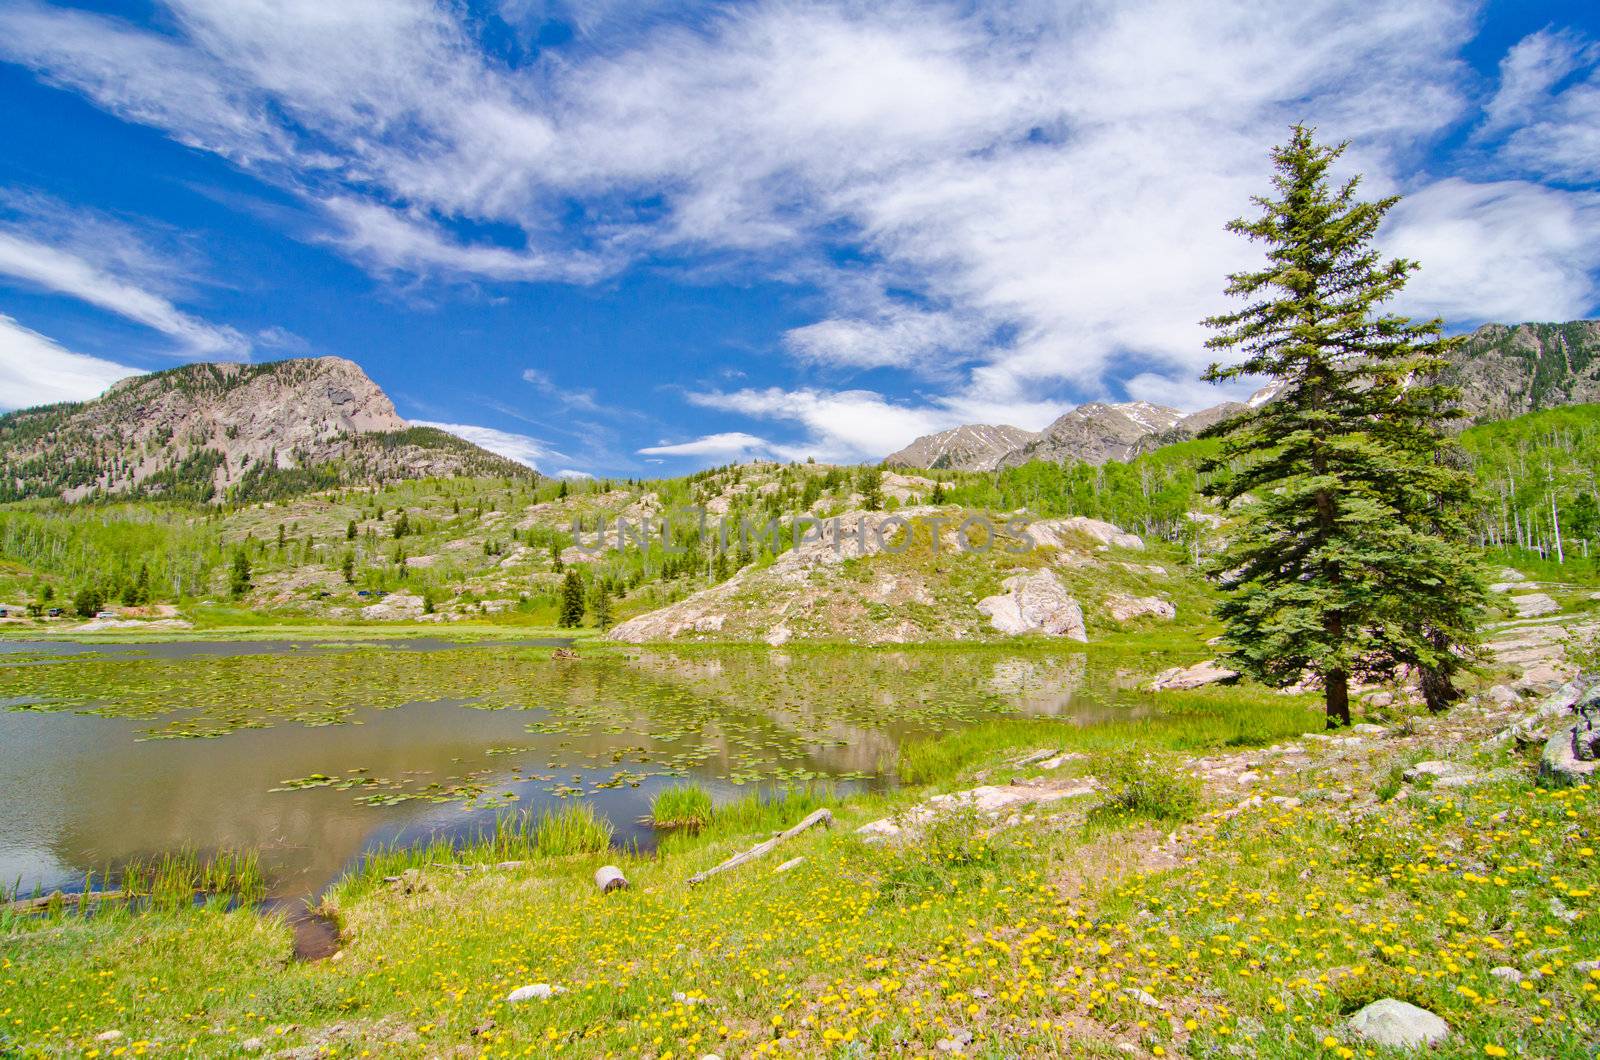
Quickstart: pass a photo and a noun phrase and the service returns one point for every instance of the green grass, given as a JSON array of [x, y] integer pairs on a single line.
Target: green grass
[[757, 813], [1240, 716], [573, 829], [681, 806], [1280, 922]]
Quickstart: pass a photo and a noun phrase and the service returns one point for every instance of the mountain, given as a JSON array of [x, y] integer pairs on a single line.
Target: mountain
[[1506, 370], [1097, 432], [247, 431], [1503, 370], [973, 447]]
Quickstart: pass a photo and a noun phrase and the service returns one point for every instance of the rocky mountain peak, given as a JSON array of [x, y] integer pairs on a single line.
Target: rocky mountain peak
[[971, 447], [201, 429]]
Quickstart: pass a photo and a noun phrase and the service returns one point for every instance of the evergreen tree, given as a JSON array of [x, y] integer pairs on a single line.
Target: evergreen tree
[[239, 576], [89, 600], [571, 601], [347, 567], [350, 530], [870, 487], [561, 490], [938, 494], [137, 592], [600, 605], [1350, 560], [555, 557], [402, 526]]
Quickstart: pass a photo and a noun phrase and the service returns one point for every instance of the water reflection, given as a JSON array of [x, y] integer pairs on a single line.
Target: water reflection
[[82, 789]]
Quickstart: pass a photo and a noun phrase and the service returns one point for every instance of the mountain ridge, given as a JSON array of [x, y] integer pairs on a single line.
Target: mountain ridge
[[1503, 370], [207, 430]]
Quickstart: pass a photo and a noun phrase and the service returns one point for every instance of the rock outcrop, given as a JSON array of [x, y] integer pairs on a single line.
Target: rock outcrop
[[1035, 603], [1208, 672], [1124, 608], [867, 587], [1097, 432], [1506, 370]]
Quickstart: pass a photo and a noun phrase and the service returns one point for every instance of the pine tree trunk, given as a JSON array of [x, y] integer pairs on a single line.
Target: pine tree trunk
[[1336, 688], [1438, 691]]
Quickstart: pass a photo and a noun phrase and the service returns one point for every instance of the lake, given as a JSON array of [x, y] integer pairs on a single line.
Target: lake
[[313, 753]]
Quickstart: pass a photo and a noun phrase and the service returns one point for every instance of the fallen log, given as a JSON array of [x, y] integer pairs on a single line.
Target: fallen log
[[33, 905], [823, 817]]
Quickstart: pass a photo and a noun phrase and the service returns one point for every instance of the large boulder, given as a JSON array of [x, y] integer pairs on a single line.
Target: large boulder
[[1569, 756], [1035, 603], [1054, 533], [1533, 605], [1201, 673], [1399, 1025], [1122, 607]]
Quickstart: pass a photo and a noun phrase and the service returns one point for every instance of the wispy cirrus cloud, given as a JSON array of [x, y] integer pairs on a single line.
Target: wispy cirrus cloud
[[730, 445], [36, 370], [105, 263], [522, 448]]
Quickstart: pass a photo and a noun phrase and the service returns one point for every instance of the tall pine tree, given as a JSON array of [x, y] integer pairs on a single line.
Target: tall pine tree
[[1350, 558], [571, 614]]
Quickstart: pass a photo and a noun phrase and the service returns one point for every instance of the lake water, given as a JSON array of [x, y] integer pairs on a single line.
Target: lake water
[[312, 754]]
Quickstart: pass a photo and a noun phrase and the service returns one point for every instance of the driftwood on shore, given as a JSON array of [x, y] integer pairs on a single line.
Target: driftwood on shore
[[823, 817], [45, 901]]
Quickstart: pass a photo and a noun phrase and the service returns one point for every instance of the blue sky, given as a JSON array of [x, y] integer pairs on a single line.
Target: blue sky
[[637, 239]]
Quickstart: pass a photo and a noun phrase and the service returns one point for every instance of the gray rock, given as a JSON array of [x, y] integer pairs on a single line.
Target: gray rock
[[1399, 1025], [1507, 974], [537, 991], [1559, 765], [1122, 607], [1185, 677], [1035, 603], [1534, 605], [1431, 769], [1502, 696]]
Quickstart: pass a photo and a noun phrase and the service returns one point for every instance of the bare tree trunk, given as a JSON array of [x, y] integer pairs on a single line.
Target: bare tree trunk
[[1555, 521]]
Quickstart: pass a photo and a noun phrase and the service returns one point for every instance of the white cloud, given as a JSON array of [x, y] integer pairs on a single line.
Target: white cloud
[[280, 338], [522, 448], [1503, 251], [1531, 68], [1551, 129], [729, 445], [570, 473], [58, 270], [842, 425], [572, 398], [389, 241], [1041, 187], [35, 370]]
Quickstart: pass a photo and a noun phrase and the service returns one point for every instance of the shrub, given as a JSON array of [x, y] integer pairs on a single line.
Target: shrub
[[89, 600], [1147, 787], [954, 846]]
